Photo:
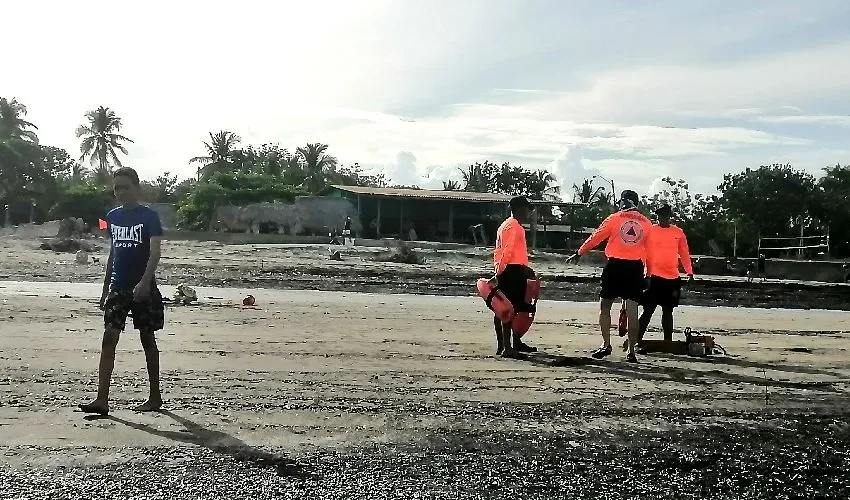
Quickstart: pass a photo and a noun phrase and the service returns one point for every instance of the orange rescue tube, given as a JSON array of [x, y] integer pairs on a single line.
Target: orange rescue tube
[[524, 319], [495, 300]]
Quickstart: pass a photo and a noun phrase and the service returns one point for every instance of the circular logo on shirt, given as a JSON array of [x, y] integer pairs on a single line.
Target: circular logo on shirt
[[631, 232]]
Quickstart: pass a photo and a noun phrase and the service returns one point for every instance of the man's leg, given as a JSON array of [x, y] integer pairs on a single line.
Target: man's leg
[[645, 318], [667, 322], [521, 346], [605, 327], [500, 345], [507, 333], [634, 327], [104, 375], [154, 401]]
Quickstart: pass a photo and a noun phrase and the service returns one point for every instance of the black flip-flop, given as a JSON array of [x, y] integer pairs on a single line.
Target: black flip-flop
[[87, 408]]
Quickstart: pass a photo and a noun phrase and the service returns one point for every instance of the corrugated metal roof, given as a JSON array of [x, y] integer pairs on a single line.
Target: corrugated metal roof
[[431, 194], [426, 194]]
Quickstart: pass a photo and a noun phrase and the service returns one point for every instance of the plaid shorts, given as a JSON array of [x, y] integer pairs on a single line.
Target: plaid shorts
[[148, 315]]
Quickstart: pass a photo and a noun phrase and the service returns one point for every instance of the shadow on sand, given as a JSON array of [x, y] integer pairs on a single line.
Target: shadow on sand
[[643, 371], [216, 441]]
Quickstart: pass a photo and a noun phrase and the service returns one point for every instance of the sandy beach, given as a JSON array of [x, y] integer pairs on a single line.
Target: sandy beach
[[356, 395]]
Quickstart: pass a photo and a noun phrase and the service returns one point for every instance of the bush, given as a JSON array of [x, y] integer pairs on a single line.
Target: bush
[[240, 189], [87, 200]]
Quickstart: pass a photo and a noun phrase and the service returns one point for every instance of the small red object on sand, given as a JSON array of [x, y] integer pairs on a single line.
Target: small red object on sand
[[248, 301]]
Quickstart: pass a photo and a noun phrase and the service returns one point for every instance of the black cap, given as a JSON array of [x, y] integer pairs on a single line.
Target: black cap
[[664, 209], [630, 195], [519, 201]]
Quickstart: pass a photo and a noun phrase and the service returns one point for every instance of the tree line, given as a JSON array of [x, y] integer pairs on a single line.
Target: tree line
[[40, 182]]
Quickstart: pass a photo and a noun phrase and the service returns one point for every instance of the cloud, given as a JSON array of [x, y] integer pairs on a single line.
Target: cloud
[[841, 120], [631, 94]]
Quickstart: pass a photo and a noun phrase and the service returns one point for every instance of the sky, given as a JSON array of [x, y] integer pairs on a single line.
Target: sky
[[626, 90]]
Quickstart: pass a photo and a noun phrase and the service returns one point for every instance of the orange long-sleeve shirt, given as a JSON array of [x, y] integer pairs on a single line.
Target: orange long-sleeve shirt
[[665, 247], [626, 231], [510, 245]]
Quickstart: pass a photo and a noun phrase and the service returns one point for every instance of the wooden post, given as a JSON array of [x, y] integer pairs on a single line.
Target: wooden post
[[401, 219], [360, 218], [534, 228], [378, 221], [451, 221]]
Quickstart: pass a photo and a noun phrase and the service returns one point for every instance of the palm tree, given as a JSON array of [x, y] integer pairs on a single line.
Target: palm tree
[[101, 139], [317, 165], [220, 150], [477, 178], [16, 145], [13, 127], [544, 185], [586, 194], [451, 185]]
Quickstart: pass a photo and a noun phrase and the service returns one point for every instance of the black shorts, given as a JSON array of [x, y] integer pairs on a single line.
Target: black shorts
[[148, 316], [622, 279], [512, 283], [662, 292]]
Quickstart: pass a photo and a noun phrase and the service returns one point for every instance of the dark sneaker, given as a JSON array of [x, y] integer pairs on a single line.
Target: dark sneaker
[[523, 347], [631, 358], [601, 352]]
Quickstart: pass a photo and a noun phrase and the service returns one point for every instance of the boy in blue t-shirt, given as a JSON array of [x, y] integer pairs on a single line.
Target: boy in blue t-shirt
[[129, 286]]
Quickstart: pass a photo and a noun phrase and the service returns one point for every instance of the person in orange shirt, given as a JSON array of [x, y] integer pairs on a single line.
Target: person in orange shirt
[[510, 259], [667, 246], [626, 231]]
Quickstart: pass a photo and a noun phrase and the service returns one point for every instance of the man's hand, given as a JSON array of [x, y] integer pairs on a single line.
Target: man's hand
[[141, 291], [494, 282]]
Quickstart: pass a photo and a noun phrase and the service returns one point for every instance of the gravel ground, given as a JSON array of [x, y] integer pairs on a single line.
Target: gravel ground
[[792, 456]]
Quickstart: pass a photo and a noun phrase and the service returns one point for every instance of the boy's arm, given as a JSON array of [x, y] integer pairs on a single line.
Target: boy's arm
[[601, 234], [153, 260], [508, 244], [107, 278], [155, 231], [685, 255]]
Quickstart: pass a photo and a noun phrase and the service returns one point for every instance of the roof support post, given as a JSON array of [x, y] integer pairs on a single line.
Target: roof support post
[[401, 219], [451, 222], [378, 221]]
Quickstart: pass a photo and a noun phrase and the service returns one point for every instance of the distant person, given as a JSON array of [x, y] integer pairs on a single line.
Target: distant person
[[626, 232], [510, 259], [751, 271], [136, 234], [846, 273], [762, 265], [666, 247]]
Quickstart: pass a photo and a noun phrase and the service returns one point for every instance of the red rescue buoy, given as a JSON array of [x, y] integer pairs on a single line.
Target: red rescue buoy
[[495, 300]]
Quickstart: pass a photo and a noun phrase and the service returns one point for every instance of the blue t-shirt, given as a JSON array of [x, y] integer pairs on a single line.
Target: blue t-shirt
[[131, 230]]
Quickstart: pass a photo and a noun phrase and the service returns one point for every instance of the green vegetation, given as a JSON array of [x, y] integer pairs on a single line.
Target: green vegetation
[[39, 182]]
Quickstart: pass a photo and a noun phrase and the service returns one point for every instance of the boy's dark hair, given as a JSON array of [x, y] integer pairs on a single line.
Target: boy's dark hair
[[128, 173], [519, 202]]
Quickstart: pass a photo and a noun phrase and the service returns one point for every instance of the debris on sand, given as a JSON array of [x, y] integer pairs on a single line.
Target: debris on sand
[[69, 245], [70, 238], [402, 254], [185, 295]]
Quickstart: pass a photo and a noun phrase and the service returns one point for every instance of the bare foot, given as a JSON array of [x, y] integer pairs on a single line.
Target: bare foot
[[97, 407], [153, 404]]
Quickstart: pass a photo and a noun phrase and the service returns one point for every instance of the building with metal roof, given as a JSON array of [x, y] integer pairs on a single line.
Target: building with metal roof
[[428, 214]]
